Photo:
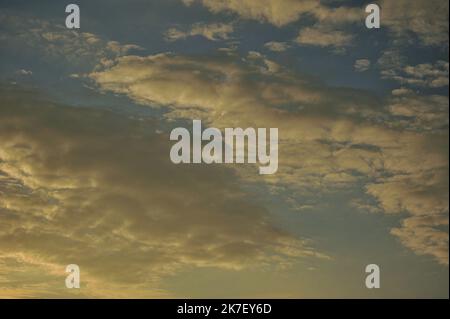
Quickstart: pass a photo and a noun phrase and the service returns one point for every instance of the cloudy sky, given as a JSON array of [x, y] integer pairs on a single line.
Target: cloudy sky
[[86, 178]]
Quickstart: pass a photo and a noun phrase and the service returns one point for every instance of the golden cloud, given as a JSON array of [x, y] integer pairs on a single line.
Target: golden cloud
[[213, 32], [330, 137], [92, 188], [280, 12]]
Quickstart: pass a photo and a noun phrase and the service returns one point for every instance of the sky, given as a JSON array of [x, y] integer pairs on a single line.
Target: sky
[[86, 177]]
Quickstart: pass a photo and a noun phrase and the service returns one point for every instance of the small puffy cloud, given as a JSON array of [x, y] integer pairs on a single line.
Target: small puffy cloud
[[277, 46], [276, 12], [24, 72], [394, 66], [426, 20], [402, 92], [281, 12], [391, 60], [427, 74], [56, 42], [422, 75], [213, 32], [323, 37], [362, 65]]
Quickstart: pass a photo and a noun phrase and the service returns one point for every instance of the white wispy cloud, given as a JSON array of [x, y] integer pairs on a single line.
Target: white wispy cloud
[[362, 65], [213, 32], [277, 46], [24, 72], [57, 43], [323, 37]]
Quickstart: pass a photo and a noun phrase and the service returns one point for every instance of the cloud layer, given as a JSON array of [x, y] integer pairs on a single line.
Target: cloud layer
[[91, 188]]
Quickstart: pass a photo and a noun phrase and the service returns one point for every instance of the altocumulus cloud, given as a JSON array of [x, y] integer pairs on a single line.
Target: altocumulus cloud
[[280, 12], [424, 20], [213, 32], [331, 138], [57, 43]]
